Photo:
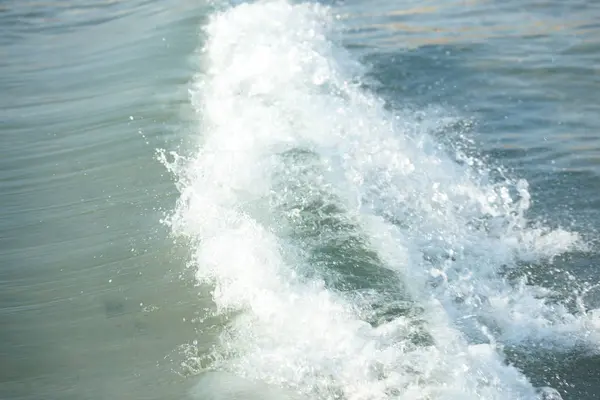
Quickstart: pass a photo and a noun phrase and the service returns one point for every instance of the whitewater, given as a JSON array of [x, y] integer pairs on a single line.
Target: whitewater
[[352, 252]]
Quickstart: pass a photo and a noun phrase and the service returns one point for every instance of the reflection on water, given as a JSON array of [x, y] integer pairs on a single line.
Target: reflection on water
[[452, 22]]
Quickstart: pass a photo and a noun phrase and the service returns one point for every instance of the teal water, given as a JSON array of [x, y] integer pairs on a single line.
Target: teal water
[[366, 200], [84, 258]]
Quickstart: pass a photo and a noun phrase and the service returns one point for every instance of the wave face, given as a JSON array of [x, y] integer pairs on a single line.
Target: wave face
[[354, 255]]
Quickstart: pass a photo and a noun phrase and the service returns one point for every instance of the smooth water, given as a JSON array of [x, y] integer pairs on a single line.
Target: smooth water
[[286, 200]]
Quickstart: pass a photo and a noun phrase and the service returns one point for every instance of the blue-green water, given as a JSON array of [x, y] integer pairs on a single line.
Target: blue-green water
[[357, 200]]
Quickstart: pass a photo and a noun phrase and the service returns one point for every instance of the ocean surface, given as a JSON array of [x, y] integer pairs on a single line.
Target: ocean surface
[[358, 200]]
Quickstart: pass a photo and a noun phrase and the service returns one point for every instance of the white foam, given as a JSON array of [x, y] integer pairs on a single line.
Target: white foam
[[224, 386], [272, 81]]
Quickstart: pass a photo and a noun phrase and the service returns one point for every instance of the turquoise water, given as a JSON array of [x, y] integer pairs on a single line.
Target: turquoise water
[[358, 200]]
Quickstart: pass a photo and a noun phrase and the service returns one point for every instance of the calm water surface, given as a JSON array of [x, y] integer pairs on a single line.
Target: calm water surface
[[98, 298]]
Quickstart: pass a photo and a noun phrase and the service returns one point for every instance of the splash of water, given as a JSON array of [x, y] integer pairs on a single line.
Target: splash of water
[[360, 260]]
